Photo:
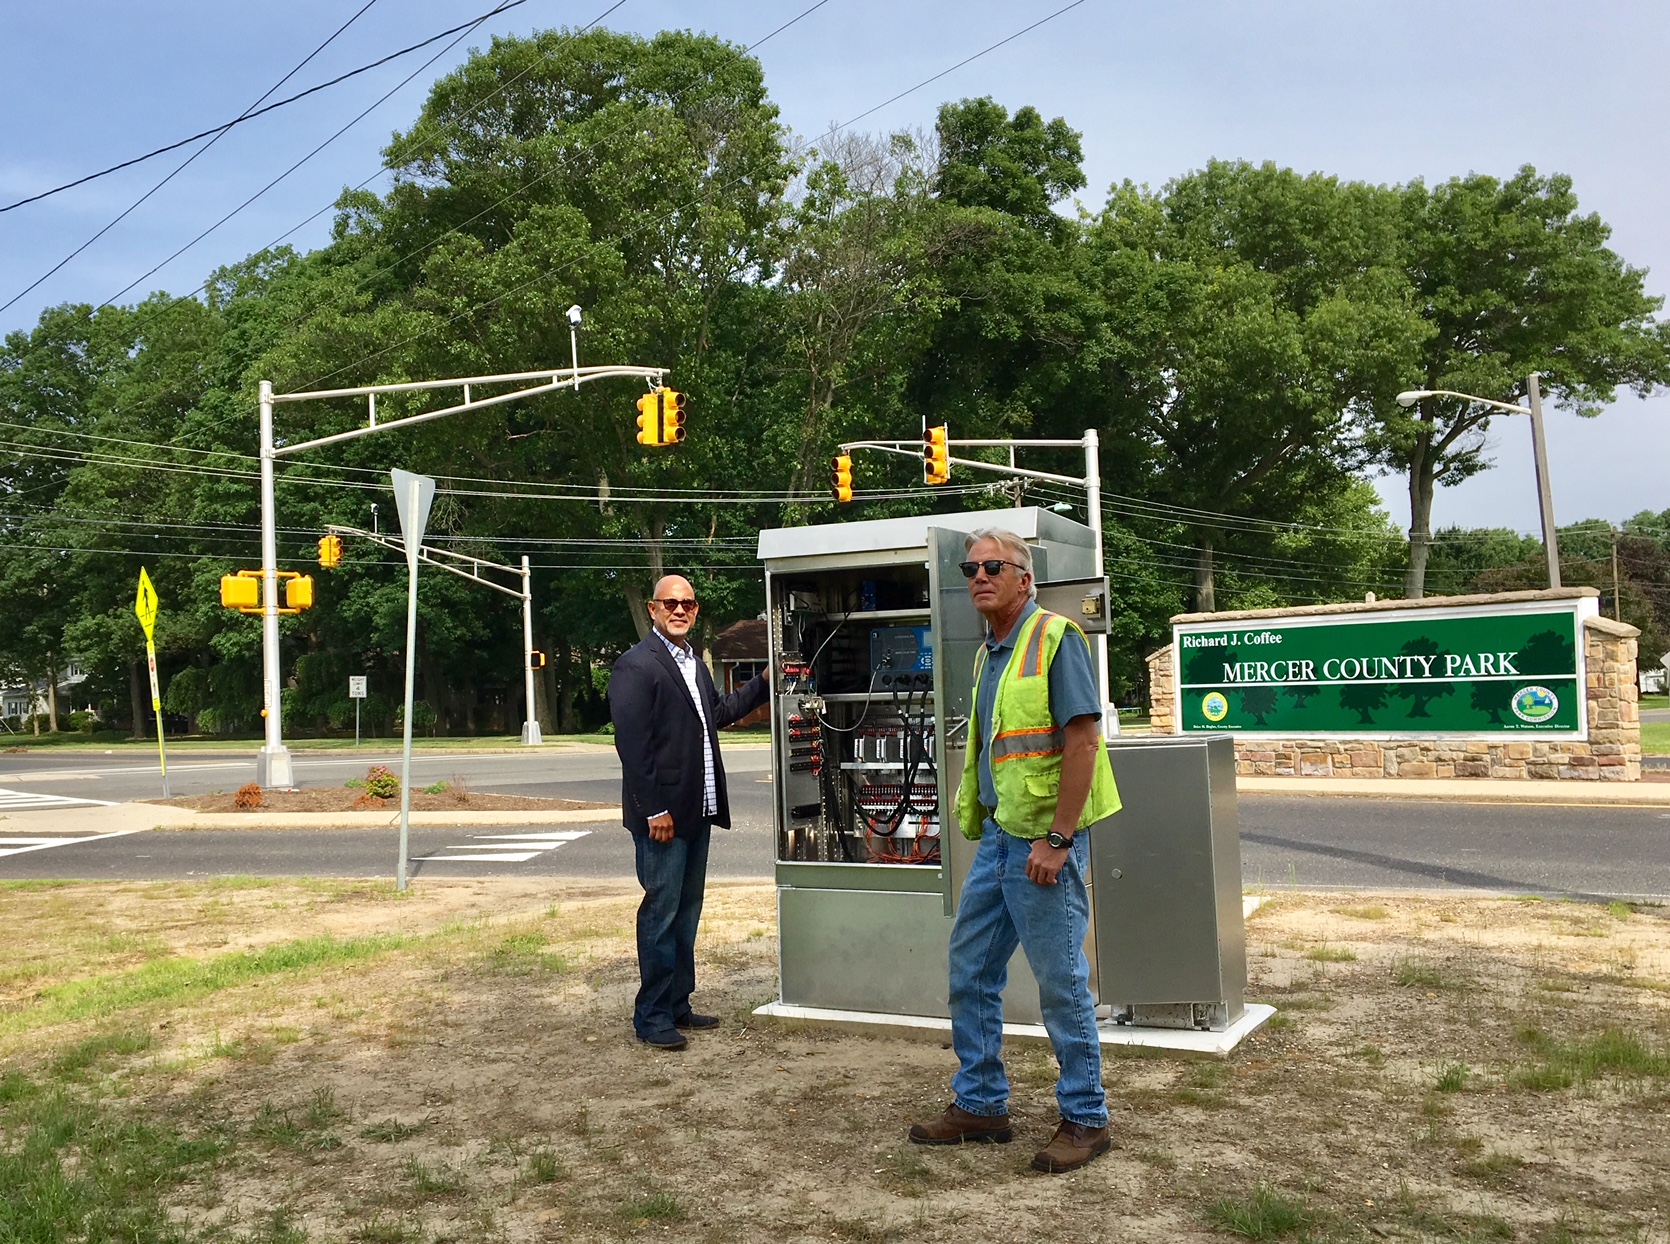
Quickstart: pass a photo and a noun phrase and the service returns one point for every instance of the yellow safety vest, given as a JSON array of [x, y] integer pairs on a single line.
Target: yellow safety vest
[[1027, 743]]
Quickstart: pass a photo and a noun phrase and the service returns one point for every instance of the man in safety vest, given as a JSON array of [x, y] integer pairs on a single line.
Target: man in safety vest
[[1036, 775]]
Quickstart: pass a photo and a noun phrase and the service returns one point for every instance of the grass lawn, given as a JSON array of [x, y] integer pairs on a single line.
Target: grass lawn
[[1655, 738], [274, 1062]]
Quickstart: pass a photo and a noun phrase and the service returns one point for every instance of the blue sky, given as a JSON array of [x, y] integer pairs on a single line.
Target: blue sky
[[1383, 92]]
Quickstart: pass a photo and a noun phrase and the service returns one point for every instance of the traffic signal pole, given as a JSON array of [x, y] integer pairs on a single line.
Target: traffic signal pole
[[471, 568], [273, 768], [1090, 443]]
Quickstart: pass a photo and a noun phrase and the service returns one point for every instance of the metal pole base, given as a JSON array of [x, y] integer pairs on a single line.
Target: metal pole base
[[273, 770], [530, 734]]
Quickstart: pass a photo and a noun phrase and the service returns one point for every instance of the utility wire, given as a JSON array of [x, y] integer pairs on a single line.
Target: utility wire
[[469, 27], [181, 167], [250, 113]]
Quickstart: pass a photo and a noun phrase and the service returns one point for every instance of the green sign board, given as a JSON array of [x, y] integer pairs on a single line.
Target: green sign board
[[1407, 673]]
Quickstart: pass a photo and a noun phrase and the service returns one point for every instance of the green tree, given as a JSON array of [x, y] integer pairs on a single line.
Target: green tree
[[1509, 279], [1252, 314]]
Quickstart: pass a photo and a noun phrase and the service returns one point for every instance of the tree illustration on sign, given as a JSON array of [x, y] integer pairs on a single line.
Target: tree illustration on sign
[[1420, 694], [1492, 698], [1299, 693], [1363, 698], [1258, 702], [1206, 666], [1547, 652]]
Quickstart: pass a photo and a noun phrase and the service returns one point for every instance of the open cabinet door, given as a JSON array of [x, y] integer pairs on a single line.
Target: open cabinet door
[[958, 632]]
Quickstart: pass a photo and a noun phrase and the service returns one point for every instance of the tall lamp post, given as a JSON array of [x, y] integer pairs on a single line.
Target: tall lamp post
[[1539, 449]]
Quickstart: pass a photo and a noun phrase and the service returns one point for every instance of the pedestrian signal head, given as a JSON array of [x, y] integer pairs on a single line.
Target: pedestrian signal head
[[536, 660], [240, 592], [936, 455], [842, 486], [298, 592], [672, 416], [649, 419]]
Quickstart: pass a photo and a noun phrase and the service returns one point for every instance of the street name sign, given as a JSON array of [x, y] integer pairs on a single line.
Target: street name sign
[[1514, 669]]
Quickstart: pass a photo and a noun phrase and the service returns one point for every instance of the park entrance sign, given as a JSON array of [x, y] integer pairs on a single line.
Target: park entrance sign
[[1473, 671]]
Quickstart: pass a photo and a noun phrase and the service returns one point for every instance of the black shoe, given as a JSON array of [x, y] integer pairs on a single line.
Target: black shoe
[[695, 1023], [668, 1040]]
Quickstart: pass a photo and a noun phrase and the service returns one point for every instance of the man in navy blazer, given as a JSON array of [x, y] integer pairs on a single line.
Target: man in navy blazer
[[667, 716]]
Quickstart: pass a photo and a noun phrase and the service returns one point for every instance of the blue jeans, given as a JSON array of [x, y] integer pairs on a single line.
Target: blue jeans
[[674, 876], [1001, 908]]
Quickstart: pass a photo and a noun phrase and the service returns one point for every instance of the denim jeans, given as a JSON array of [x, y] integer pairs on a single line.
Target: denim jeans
[[1000, 908], [674, 876]]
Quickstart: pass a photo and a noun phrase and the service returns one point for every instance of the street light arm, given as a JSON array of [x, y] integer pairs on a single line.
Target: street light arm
[[1415, 395]]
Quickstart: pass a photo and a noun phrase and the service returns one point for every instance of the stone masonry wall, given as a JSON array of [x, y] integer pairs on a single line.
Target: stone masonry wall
[[1612, 752]]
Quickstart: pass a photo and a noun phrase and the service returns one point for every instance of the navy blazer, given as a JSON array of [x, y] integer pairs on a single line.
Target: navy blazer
[[658, 736]]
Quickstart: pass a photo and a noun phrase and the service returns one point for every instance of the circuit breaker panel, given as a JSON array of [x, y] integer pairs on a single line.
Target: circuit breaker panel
[[854, 721]]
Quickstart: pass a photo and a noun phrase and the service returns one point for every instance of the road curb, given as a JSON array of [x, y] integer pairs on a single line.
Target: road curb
[[1467, 790], [391, 819]]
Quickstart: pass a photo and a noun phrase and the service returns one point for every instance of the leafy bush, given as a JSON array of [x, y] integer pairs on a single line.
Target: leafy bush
[[381, 782]]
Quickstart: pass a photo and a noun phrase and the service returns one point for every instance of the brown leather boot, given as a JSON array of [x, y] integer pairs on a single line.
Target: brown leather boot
[[1074, 1145], [958, 1127]]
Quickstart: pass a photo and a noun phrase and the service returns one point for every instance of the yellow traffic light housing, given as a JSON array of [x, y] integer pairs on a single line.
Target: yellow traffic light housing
[[842, 486], [672, 416], [536, 660], [240, 592], [649, 419], [298, 593], [936, 455], [330, 551]]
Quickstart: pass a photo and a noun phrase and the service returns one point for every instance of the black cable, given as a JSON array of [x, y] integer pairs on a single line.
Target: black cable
[[180, 168], [250, 113]]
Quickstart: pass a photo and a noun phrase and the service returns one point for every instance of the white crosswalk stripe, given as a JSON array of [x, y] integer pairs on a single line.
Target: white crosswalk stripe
[[19, 844], [19, 800], [505, 848]]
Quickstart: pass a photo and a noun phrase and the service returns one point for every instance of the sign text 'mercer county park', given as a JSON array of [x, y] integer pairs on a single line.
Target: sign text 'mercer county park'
[[1477, 670]]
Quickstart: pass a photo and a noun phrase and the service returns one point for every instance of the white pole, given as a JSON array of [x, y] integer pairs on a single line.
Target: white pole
[[1093, 499], [272, 765], [412, 540], [530, 727]]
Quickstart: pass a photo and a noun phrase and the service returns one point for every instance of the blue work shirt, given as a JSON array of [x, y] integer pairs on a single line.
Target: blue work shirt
[[1072, 691]]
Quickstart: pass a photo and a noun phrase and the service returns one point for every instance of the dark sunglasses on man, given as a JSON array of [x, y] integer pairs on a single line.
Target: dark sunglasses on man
[[677, 604], [993, 567]]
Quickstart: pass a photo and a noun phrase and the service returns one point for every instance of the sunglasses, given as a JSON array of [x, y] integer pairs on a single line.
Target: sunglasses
[[677, 605], [992, 566]]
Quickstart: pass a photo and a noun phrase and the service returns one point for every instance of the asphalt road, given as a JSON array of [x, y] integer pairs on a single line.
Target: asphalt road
[[1306, 842]]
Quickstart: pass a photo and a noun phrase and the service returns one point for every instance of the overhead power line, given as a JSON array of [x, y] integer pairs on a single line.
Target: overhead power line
[[250, 113], [178, 169]]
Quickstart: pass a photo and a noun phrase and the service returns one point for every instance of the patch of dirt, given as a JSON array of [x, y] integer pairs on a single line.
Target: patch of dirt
[[485, 1085], [347, 799]]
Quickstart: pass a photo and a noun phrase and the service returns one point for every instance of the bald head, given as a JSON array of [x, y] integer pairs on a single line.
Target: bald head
[[672, 606]]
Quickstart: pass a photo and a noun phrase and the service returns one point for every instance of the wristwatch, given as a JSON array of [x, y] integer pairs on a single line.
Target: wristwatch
[[1058, 841]]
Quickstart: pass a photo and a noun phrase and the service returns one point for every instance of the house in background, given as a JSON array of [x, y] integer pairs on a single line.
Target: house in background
[[19, 701], [739, 652]]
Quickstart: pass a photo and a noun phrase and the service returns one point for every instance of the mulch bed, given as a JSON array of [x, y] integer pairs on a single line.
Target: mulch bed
[[347, 799]]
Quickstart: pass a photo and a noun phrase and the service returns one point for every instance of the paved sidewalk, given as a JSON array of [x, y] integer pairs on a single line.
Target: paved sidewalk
[[1467, 790]]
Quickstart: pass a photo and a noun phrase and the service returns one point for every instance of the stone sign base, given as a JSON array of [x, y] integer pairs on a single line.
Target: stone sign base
[[1612, 752]]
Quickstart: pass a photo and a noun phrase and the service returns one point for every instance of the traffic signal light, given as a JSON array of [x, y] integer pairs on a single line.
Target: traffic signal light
[[536, 660], [240, 592], [649, 419], [330, 551], [298, 592], [672, 416], [842, 487], [936, 455]]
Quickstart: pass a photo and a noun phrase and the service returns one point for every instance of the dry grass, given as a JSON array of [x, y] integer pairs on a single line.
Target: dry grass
[[1479, 1070]]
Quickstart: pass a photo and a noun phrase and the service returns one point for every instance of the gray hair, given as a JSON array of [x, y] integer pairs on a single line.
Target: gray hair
[[1017, 550]]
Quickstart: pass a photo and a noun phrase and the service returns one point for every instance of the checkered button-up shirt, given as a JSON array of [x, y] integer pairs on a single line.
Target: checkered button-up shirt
[[685, 659]]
